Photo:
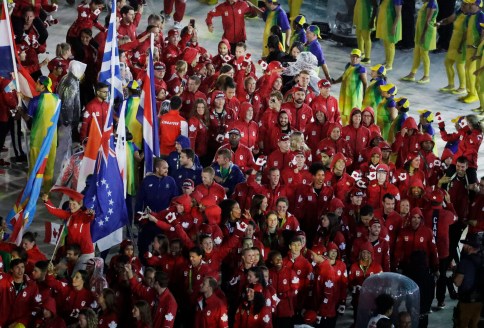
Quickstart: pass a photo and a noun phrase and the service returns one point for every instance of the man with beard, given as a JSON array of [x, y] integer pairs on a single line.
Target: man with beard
[[301, 113]]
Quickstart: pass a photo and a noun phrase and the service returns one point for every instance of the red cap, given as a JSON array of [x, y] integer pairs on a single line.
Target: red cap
[[357, 192], [319, 249], [188, 183], [383, 145], [216, 95], [324, 84], [382, 167], [446, 154], [374, 221], [437, 196], [173, 32], [284, 137], [273, 65], [310, 317], [159, 66], [71, 193], [332, 246], [297, 89]]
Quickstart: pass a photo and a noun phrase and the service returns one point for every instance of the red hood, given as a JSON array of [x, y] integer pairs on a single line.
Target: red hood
[[367, 246], [410, 124], [353, 111], [226, 42], [375, 134], [319, 107], [371, 111], [334, 204], [184, 200], [336, 158], [426, 137], [332, 126], [446, 154], [375, 150], [416, 211], [214, 214], [189, 55], [244, 107], [416, 183]]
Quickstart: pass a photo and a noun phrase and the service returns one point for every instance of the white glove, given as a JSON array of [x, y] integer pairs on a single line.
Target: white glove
[[438, 117], [56, 6]]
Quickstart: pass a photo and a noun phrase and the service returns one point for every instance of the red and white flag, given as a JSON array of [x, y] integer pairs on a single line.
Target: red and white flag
[[90, 154], [53, 231]]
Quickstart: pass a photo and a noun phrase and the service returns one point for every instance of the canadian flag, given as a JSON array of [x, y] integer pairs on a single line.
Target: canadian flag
[[53, 231]]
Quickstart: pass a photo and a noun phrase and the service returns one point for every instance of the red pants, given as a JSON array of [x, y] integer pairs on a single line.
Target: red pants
[[180, 6]]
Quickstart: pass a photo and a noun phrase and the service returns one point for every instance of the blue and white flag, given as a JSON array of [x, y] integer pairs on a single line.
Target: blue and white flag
[[110, 73], [105, 193]]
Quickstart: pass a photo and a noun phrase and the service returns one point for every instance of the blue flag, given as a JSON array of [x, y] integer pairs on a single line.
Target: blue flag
[[105, 193], [110, 73]]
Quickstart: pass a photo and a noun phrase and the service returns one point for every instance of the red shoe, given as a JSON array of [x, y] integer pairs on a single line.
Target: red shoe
[[4, 163], [2, 172]]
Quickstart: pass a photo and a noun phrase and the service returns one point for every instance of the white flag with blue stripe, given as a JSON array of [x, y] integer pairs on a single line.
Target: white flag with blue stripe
[[110, 71]]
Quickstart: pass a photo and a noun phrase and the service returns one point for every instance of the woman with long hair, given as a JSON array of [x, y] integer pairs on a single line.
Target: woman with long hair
[[253, 311], [329, 230], [258, 209], [199, 123], [107, 315], [87, 318], [142, 314], [34, 254], [76, 294], [231, 213]]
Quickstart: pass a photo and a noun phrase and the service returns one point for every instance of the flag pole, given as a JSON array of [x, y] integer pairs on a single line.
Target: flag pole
[[12, 44]]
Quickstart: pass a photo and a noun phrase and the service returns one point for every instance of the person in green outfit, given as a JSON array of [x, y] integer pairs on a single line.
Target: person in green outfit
[[403, 106], [389, 28], [353, 85], [475, 16], [387, 109], [456, 55], [480, 73], [364, 20], [373, 94], [425, 40]]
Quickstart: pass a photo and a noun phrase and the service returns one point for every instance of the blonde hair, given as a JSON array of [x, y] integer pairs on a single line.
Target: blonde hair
[[181, 66], [62, 48]]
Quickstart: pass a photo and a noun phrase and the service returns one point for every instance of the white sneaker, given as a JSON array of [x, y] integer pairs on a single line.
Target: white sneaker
[[167, 18], [177, 25]]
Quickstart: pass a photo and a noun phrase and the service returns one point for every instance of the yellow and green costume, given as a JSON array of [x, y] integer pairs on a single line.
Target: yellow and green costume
[[421, 50], [274, 17], [362, 17], [373, 94], [351, 92], [473, 39], [133, 123], [42, 109], [457, 52], [384, 28], [383, 116]]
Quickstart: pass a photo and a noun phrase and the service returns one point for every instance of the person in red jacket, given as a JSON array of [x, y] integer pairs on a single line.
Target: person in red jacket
[[381, 247], [241, 154], [327, 100], [298, 173], [172, 124], [272, 190], [250, 95], [286, 284], [209, 187], [129, 21], [301, 113], [233, 20], [439, 219], [359, 271], [310, 201], [8, 102], [211, 310], [326, 293], [78, 224], [318, 128], [87, 17], [269, 119], [381, 186], [337, 178], [390, 218], [190, 95], [253, 312], [50, 319], [249, 129], [96, 107], [166, 305], [357, 136], [406, 141], [76, 294], [337, 142], [368, 120], [469, 148], [18, 296], [416, 237], [198, 129], [283, 156], [33, 252]]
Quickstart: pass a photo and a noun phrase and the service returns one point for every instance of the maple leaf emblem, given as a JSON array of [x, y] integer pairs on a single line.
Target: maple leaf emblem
[[113, 324], [169, 317], [329, 284], [224, 317], [266, 318]]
